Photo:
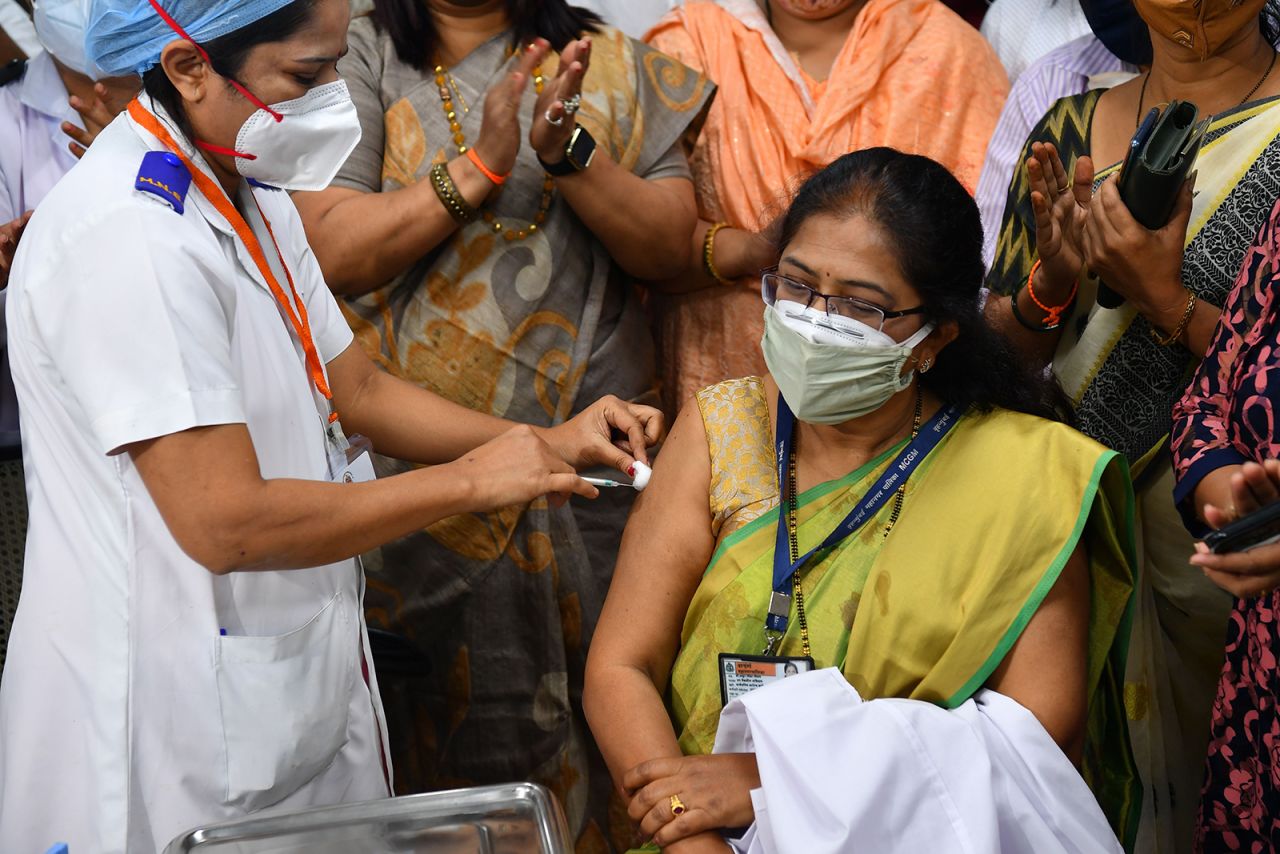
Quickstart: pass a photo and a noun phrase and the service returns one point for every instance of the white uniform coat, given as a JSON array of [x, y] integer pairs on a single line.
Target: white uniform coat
[[126, 715], [839, 774]]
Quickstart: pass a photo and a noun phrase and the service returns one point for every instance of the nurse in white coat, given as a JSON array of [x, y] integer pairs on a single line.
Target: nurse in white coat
[[185, 381]]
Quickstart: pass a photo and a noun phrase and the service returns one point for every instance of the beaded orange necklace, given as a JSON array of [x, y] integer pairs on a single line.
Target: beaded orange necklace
[[443, 81]]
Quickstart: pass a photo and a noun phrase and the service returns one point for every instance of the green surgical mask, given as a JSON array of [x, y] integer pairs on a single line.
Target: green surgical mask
[[832, 370]]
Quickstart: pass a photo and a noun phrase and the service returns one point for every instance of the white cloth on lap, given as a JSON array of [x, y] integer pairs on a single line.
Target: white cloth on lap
[[841, 774]]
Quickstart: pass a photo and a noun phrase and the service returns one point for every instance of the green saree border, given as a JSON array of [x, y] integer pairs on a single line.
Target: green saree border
[[810, 495]]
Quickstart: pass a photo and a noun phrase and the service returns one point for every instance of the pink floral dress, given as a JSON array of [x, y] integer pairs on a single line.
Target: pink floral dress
[[1228, 417]]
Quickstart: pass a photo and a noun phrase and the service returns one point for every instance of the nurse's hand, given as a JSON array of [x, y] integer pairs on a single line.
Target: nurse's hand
[[500, 135], [516, 468], [10, 234], [610, 432]]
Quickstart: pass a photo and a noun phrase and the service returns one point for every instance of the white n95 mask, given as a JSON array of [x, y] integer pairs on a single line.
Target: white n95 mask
[[60, 27], [831, 370], [299, 144]]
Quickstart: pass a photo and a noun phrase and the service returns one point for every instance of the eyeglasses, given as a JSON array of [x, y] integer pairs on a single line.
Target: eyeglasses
[[774, 287]]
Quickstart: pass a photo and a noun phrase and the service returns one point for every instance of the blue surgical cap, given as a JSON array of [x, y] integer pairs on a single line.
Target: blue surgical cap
[[126, 36]]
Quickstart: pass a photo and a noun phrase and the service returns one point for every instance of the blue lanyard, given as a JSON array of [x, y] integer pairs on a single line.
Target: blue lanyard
[[896, 475]]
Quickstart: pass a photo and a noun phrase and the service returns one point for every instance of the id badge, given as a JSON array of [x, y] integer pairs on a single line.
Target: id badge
[[742, 674], [356, 466]]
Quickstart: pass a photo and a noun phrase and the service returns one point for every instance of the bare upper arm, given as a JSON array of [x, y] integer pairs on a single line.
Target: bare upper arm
[[314, 207], [666, 547], [1047, 669], [202, 482]]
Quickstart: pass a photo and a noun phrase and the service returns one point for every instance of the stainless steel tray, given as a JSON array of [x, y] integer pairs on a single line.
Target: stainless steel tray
[[510, 819]]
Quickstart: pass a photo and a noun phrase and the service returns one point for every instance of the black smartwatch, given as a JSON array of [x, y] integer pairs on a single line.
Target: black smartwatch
[[578, 152]]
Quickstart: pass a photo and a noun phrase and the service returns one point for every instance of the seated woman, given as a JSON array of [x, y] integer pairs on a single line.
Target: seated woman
[[921, 473]]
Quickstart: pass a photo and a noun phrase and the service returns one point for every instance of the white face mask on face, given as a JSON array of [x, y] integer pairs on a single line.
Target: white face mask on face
[[832, 370], [60, 27], [304, 147]]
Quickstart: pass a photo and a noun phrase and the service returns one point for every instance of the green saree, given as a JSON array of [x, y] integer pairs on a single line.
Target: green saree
[[930, 611]]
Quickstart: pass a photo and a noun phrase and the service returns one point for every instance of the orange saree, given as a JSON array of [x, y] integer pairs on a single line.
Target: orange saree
[[911, 75]]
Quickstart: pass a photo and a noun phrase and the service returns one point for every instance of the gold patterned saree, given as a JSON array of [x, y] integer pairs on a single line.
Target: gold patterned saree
[[504, 603]]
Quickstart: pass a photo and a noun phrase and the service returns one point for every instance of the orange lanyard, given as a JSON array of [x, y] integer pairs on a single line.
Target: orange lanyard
[[213, 191]]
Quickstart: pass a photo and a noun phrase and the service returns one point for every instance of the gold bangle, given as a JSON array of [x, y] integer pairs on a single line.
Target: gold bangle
[[709, 252], [1176, 334], [453, 201]]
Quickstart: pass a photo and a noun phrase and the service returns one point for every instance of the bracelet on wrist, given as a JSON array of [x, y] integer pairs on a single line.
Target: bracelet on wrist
[[498, 180], [1052, 313], [709, 253], [1022, 319], [447, 191], [1176, 335]]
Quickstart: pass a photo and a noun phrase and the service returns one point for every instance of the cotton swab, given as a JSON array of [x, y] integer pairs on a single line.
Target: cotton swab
[[639, 472]]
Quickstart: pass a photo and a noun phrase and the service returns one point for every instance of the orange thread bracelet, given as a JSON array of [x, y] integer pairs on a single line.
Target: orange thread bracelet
[[1053, 313], [497, 179]]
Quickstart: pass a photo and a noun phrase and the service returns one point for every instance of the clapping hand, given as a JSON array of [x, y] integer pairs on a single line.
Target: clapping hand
[[553, 123], [1061, 209], [499, 139], [1252, 572], [96, 114]]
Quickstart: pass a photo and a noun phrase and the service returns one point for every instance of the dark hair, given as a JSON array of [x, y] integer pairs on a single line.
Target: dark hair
[[228, 54], [932, 225], [414, 33]]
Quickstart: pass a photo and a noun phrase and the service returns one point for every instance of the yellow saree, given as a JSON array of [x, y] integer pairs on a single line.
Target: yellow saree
[[988, 522]]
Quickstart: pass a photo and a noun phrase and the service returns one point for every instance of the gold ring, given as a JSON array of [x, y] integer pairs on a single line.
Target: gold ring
[[677, 806]]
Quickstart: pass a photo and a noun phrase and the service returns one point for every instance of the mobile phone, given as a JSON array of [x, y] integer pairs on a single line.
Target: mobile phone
[[1140, 138], [1259, 528], [1106, 297]]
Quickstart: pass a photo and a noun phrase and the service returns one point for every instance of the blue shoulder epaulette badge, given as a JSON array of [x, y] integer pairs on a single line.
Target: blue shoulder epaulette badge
[[163, 176]]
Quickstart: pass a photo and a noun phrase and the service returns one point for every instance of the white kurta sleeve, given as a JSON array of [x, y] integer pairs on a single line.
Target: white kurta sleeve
[[896, 776], [136, 316]]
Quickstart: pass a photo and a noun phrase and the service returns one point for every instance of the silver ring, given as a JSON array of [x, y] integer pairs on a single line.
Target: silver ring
[[553, 122], [572, 104]]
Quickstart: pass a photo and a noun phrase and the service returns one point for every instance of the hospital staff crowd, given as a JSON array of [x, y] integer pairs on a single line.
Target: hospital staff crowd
[[763, 423]]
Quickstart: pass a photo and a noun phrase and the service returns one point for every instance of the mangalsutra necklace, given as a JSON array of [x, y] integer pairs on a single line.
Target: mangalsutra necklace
[[443, 79], [793, 533]]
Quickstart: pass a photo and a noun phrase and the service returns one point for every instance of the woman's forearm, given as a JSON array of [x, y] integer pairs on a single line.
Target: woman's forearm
[[737, 254], [410, 423], [1039, 347], [627, 717], [364, 240], [294, 524], [1200, 328], [644, 225], [227, 518]]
